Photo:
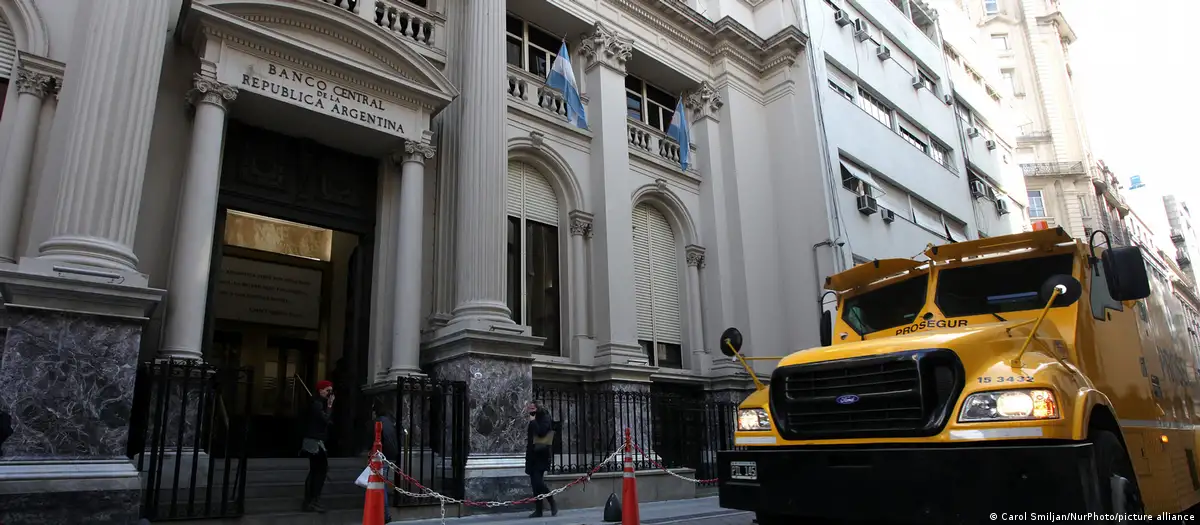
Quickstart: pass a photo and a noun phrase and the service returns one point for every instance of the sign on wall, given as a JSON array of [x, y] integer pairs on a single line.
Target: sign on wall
[[268, 293], [318, 93]]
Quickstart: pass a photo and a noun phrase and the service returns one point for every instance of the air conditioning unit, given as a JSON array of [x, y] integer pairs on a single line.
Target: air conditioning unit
[[887, 215], [883, 52], [972, 132], [860, 30], [867, 204], [978, 189], [991, 144], [948, 99], [1001, 205], [841, 18], [918, 82]]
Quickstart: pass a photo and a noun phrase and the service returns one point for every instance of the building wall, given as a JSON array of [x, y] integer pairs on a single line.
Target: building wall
[[863, 118]]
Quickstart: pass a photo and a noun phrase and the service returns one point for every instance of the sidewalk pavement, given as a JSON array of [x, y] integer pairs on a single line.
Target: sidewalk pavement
[[659, 512]]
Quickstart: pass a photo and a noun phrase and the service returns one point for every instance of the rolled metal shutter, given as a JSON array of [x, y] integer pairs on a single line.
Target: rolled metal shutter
[[530, 195], [8, 49], [643, 274], [665, 267]]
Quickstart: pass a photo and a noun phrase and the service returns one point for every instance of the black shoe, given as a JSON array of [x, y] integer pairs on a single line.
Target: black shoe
[[536, 514], [553, 506]]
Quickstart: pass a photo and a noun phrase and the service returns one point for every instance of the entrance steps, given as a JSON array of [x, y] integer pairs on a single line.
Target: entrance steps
[[277, 484]]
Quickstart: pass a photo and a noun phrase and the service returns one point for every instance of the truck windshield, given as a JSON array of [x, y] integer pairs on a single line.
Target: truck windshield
[[992, 288], [887, 307]]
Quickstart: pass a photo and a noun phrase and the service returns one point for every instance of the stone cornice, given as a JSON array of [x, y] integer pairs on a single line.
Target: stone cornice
[[724, 38]]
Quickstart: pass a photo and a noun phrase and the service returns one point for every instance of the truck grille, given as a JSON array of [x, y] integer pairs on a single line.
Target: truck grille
[[906, 394]]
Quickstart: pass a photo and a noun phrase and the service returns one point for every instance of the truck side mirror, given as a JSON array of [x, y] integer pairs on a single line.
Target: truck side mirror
[[731, 341], [1125, 271], [1067, 298], [826, 328]]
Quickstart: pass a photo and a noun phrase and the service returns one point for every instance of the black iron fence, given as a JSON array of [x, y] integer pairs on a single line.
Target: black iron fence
[[431, 421], [671, 430], [190, 452]]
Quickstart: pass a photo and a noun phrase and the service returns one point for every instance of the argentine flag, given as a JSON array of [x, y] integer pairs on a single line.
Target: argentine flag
[[562, 78], [682, 133]]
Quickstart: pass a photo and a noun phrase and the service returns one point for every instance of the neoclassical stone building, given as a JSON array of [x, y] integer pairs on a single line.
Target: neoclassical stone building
[[364, 190]]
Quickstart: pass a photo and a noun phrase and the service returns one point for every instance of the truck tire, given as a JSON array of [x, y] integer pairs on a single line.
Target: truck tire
[[1112, 461]]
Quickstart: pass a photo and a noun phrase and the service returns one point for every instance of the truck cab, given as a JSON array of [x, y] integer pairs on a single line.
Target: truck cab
[[986, 378]]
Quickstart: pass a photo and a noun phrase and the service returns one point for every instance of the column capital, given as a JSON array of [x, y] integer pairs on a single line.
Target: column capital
[[581, 223], [604, 46], [705, 101], [695, 255], [209, 91], [33, 83], [416, 151]]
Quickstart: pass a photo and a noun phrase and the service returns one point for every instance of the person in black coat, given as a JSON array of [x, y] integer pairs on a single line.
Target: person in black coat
[[390, 444], [316, 433], [539, 438]]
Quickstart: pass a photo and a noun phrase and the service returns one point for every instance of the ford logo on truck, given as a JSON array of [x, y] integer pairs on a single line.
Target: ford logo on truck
[[848, 399]]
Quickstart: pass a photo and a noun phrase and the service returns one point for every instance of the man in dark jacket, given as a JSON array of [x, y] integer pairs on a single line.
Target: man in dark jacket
[[539, 439], [391, 450], [316, 433]]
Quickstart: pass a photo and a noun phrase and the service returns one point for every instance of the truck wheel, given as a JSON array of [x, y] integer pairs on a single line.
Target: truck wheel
[[1115, 478]]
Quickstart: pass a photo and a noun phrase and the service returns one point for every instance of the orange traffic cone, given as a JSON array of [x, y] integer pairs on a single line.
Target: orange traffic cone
[[373, 507], [629, 501]]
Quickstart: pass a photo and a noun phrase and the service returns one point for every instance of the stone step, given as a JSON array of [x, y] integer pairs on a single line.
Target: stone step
[[293, 503]]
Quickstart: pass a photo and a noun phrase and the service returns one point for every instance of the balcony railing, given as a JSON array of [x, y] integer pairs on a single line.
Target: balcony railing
[[655, 144], [530, 90], [1049, 169], [406, 20]]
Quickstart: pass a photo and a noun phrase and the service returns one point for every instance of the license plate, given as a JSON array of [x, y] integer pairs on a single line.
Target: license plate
[[743, 470]]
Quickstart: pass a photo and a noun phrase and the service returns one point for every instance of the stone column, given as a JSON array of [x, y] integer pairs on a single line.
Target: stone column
[[717, 202], [695, 261], [406, 327], [481, 162], [14, 180], [616, 328], [480, 345], [109, 101], [191, 259], [581, 228]]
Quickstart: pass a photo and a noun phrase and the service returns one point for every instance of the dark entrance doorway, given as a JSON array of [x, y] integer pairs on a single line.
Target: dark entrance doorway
[[289, 294]]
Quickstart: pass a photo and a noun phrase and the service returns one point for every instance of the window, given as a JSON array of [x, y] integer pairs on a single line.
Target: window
[[530, 48], [998, 287], [927, 81], [941, 155], [1000, 42], [991, 7], [1083, 208], [648, 104], [886, 307], [916, 142], [1010, 81], [840, 82], [656, 283], [1037, 206], [533, 271], [874, 107]]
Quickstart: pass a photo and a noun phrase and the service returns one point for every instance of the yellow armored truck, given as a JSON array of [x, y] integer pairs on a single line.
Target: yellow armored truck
[[1015, 378]]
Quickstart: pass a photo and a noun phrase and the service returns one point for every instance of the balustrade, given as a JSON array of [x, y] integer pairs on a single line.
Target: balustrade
[[653, 142], [407, 20], [530, 89]]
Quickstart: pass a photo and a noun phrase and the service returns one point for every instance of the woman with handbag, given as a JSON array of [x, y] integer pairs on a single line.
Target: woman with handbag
[[539, 439]]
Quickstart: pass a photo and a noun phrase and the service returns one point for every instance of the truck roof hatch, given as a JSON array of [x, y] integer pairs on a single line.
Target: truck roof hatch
[[1037, 240], [869, 272]]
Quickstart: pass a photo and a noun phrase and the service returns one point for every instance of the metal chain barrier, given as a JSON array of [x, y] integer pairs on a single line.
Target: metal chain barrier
[[443, 499], [668, 471]]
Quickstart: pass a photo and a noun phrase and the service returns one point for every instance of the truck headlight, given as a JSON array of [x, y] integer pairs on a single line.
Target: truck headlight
[[753, 419], [1010, 405]]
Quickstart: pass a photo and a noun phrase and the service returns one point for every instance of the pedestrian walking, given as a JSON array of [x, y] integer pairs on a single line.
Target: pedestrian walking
[[538, 442], [316, 433], [391, 450]]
